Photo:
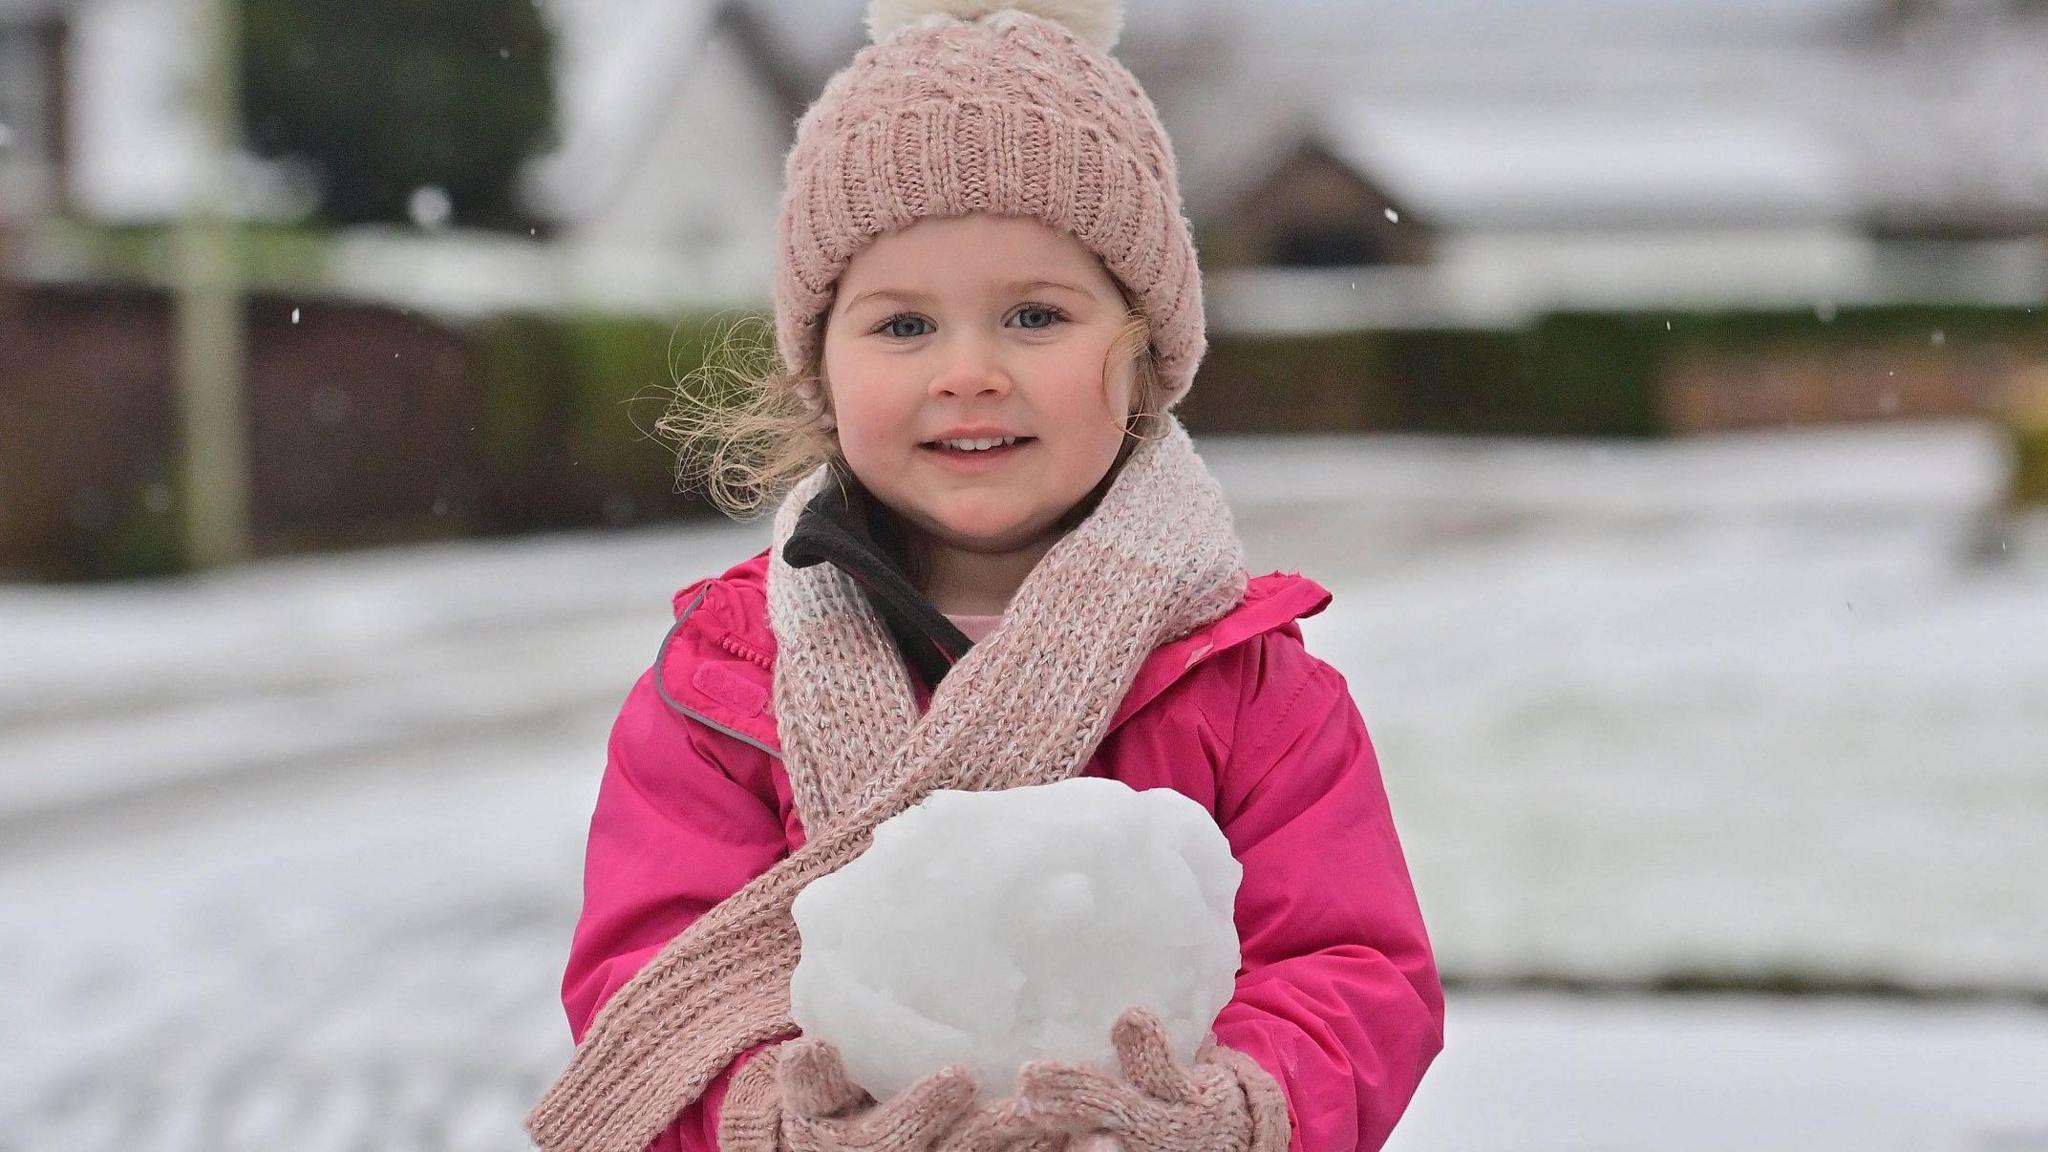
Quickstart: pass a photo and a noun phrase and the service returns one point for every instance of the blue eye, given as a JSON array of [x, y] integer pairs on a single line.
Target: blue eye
[[1038, 316], [902, 327]]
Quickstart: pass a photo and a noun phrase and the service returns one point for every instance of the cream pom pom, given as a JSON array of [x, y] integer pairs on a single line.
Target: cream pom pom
[[1099, 22]]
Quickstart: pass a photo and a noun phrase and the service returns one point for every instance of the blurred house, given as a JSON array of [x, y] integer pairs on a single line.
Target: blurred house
[[1484, 216], [661, 196], [1872, 153], [676, 115]]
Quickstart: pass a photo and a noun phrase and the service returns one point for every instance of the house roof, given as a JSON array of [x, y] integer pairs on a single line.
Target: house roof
[[618, 64], [1487, 164], [1286, 80], [625, 67]]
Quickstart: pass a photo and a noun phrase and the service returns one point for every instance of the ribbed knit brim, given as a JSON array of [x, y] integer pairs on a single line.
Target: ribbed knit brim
[[1011, 115]]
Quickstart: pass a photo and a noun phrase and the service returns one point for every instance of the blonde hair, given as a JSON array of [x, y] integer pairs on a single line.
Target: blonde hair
[[744, 435]]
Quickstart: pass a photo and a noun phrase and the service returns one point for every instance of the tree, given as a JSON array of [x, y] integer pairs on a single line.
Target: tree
[[381, 98]]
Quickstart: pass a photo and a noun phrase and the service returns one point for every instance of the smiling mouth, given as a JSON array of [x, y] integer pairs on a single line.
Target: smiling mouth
[[978, 446]]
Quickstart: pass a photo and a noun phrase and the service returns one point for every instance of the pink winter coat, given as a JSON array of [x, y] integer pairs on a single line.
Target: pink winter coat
[[1338, 996]]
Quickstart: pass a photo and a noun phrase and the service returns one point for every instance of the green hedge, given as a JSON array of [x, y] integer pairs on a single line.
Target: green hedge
[[1566, 375], [141, 535], [2026, 421], [571, 406], [1581, 374], [568, 404]]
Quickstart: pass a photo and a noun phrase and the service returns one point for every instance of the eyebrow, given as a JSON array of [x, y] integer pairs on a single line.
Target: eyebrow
[[909, 296]]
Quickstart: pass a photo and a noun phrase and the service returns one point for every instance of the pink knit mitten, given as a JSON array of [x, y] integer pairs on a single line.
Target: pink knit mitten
[[796, 1097], [1224, 1103]]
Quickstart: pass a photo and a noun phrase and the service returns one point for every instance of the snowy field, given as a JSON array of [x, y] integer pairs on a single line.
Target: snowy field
[[288, 856], [1743, 708]]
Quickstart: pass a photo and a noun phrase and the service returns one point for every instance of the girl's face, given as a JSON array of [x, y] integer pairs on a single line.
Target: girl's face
[[976, 328]]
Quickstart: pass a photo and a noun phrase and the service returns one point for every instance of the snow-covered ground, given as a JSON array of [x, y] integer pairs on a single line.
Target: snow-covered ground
[[1522, 1073], [288, 856], [1739, 708]]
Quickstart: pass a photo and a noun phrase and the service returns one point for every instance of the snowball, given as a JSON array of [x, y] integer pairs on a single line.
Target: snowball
[[990, 929]]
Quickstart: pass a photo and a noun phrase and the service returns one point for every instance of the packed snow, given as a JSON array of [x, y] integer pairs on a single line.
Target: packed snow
[[990, 929]]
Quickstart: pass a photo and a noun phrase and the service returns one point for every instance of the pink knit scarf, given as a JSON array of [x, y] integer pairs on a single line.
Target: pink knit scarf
[[1156, 559]]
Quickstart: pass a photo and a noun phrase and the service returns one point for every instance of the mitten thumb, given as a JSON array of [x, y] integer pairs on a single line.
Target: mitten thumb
[[814, 1080], [750, 1120]]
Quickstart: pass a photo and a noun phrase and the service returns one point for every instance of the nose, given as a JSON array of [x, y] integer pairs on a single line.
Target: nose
[[971, 369]]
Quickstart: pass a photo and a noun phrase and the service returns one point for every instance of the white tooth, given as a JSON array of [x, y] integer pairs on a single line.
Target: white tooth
[[979, 444]]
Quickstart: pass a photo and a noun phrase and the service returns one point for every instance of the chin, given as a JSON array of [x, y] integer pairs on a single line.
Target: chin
[[986, 531]]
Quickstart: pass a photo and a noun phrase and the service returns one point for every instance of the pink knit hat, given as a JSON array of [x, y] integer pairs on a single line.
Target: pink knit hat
[[1010, 107]]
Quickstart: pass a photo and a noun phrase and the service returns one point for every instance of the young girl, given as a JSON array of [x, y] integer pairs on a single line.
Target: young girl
[[998, 563]]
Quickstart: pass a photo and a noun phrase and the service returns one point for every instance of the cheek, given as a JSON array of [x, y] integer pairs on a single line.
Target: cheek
[[1081, 387], [860, 407], [866, 437], [1090, 400], [1091, 413]]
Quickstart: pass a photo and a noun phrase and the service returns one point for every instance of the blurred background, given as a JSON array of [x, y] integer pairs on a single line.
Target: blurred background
[[1660, 386]]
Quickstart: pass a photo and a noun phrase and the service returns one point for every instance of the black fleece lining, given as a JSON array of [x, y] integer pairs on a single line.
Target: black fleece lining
[[835, 528]]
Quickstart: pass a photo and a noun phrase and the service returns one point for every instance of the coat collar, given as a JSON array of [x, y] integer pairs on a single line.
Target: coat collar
[[839, 527], [717, 663]]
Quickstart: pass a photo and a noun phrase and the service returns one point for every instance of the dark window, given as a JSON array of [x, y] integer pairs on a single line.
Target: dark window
[[1328, 248]]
